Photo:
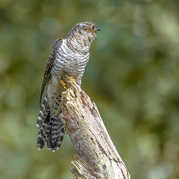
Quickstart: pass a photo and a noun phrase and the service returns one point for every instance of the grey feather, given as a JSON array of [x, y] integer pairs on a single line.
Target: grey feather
[[69, 55]]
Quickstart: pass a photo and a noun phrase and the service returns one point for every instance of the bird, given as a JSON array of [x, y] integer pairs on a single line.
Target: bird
[[69, 55]]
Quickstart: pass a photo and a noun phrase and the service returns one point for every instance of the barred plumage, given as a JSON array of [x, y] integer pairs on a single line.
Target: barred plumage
[[69, 55]]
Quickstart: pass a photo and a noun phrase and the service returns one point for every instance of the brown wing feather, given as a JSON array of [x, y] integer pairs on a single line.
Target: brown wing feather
[[49, 66]]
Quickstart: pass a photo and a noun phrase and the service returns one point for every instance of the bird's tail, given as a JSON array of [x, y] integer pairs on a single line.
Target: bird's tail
[[51, 130]]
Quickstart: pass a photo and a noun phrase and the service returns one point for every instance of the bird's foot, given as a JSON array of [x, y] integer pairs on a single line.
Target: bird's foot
[[63, 84], [72, 79]]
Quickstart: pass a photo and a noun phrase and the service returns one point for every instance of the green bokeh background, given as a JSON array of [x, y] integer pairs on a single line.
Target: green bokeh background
[[132, 77]]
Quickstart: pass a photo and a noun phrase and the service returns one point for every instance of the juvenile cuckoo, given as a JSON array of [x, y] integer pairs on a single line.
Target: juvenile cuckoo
[[69, 55]]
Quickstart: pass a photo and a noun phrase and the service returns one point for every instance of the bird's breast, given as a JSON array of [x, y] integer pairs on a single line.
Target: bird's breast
[[70, 61]]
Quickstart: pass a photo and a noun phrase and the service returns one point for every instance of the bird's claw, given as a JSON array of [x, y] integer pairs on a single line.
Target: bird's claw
[[72, 79], [63, 84]]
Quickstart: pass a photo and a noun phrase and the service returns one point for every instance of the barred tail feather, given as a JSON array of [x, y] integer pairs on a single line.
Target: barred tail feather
[[51, 131], [55, 135], [43, 132], [44, 112]]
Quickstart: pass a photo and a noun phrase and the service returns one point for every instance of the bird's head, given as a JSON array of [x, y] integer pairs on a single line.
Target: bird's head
[[84, 33]]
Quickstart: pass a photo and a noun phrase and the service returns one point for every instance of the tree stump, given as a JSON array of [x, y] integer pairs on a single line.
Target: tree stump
[[97, 157]]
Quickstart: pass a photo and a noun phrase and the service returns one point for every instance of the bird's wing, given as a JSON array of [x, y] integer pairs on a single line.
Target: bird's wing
[[50, 62]]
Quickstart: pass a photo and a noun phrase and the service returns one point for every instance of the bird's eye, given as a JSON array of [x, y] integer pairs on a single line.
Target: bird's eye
[[85, 28]]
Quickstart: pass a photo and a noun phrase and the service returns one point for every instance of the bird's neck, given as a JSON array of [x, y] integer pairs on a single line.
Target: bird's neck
[[78, 44]]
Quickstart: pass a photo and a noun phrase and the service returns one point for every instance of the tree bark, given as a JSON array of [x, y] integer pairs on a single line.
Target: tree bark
[[97, 157]]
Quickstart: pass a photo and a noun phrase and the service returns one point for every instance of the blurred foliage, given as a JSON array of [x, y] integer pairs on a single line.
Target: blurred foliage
[[132, 76]]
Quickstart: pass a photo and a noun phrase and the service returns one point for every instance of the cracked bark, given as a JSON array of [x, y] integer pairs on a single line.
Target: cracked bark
[[97, 157]]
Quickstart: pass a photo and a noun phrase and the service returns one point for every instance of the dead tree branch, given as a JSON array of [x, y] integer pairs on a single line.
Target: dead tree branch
[[97, 157]]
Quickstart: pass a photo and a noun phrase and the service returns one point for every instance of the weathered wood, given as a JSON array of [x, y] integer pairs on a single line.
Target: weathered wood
[[97, 156]]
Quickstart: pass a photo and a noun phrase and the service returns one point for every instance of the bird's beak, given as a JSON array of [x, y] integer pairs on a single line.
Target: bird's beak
[[96, 29]]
